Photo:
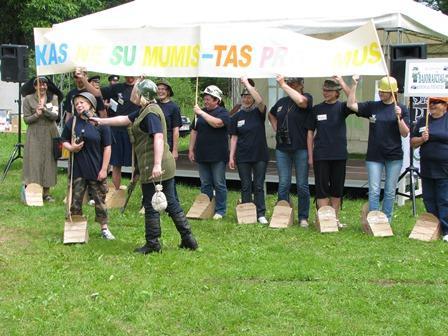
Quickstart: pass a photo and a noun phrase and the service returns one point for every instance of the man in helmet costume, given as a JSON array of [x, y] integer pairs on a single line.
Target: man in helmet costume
[[388, 122], [91, 148], [155, 164]]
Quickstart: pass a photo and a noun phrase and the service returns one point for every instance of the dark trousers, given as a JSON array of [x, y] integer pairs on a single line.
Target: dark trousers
[[435, 197], [252, 175]]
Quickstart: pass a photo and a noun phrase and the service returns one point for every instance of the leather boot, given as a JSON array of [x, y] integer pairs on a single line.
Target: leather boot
[[152, 235], [187, 239]]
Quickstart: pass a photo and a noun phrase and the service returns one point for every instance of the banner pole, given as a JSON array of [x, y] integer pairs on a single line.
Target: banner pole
[[427, 114], [196, 99]]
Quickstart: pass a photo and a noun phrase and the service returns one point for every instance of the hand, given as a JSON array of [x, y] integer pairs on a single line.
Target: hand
[[39, 109], [197, 110], [232, 163], [95, 121], [280, 80], [337, 78], [156, 171], [355, 79], [102, 175], [398, 112], [175, 154], [244, 80], [77, 147], [191, 156], [425, 135], [79, 73], [310, 162]]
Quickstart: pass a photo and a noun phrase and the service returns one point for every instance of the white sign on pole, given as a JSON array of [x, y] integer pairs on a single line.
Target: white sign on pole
[[425, 78]]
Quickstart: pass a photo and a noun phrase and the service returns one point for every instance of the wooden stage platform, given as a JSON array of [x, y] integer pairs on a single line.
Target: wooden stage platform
[[356, 174]]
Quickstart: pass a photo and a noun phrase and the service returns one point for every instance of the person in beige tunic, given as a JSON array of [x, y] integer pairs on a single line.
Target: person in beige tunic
[[40, 114]]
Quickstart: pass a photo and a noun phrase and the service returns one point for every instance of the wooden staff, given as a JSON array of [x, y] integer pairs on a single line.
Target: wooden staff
[[196, 100], [427, 113]]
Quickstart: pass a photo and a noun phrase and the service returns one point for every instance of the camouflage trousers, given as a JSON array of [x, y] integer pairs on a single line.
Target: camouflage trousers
[[97, 190]]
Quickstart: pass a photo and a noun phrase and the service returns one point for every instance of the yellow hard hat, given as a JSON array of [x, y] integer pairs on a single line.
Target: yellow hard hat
[[383, 85]]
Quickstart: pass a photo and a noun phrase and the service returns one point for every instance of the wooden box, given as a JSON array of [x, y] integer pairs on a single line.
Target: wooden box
[[427, 228], [202, 208], [75, 230], [326, 220], [282, 216], [34, 195], [379, 224], [246, 213]]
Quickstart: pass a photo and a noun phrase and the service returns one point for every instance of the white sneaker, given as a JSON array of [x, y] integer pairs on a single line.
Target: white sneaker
[[445, 238], [303, 223], [217, 216], [92, 202], [262, 220], [106, 234]]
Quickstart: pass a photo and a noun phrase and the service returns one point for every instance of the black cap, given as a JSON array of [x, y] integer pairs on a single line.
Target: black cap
[[113, 78], [94, 79]]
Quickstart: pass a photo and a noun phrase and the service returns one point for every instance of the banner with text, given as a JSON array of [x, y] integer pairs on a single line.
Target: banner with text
[[208, 51]]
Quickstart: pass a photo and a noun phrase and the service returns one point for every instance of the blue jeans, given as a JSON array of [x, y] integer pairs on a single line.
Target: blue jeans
[[213, 177], [374, 172], [435, 197], [255, 186], [285, 161]]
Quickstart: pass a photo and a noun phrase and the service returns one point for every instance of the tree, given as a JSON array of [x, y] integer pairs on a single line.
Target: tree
[[441, 5], [20, 17]]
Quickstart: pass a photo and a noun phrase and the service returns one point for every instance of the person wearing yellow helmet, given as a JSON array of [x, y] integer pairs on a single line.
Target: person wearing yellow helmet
[[388, 122], [433, 143]]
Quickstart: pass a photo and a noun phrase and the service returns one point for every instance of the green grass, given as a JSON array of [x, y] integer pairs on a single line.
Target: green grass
[[244, 279]]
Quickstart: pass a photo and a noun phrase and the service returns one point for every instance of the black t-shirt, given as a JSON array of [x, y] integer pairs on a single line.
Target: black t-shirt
[[69, 100], [296, 121], [384, 134], [172, 118], [248, 125], [212, 144], [330, 140], [151, 124], [121, 93], [434, 152], [89, 160]]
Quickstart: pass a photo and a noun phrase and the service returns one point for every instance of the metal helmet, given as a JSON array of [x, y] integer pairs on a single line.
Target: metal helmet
[[87, 95], [162, 81], [147, 89], [214, 91], [383, 85]]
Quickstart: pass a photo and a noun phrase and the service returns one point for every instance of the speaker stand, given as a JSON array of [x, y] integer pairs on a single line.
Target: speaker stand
[[17, 151]]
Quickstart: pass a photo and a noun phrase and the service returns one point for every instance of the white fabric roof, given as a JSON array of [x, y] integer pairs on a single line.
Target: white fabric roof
[[306, 17]]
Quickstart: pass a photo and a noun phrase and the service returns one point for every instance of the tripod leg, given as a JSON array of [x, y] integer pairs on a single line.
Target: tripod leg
[[12, 158], [412, 191]]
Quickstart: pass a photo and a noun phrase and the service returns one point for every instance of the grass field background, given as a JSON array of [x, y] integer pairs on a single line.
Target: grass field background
[[244, 279]]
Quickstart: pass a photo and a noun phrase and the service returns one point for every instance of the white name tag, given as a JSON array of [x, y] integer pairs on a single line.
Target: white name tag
[[321, 117], [422, 129], [241, 123]]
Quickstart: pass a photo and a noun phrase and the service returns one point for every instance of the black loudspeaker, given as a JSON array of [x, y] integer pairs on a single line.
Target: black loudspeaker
[[399, 53], [14, 66]]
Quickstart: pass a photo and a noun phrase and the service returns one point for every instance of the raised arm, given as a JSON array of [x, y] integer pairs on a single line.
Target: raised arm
[[298, 98], [211, 120], [343, 84], [352, 104], [254, 93]]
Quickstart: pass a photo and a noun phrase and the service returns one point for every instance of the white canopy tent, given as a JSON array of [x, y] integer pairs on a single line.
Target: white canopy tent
[[305, 17]]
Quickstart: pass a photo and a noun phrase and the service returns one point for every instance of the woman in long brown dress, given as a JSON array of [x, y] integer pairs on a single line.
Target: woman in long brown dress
[[40, 114]]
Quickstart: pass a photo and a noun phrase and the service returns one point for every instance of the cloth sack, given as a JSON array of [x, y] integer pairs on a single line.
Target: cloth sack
[[158, 201]]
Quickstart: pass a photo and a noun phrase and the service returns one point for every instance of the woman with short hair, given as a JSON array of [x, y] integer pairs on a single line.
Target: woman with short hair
[[209, 147]]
